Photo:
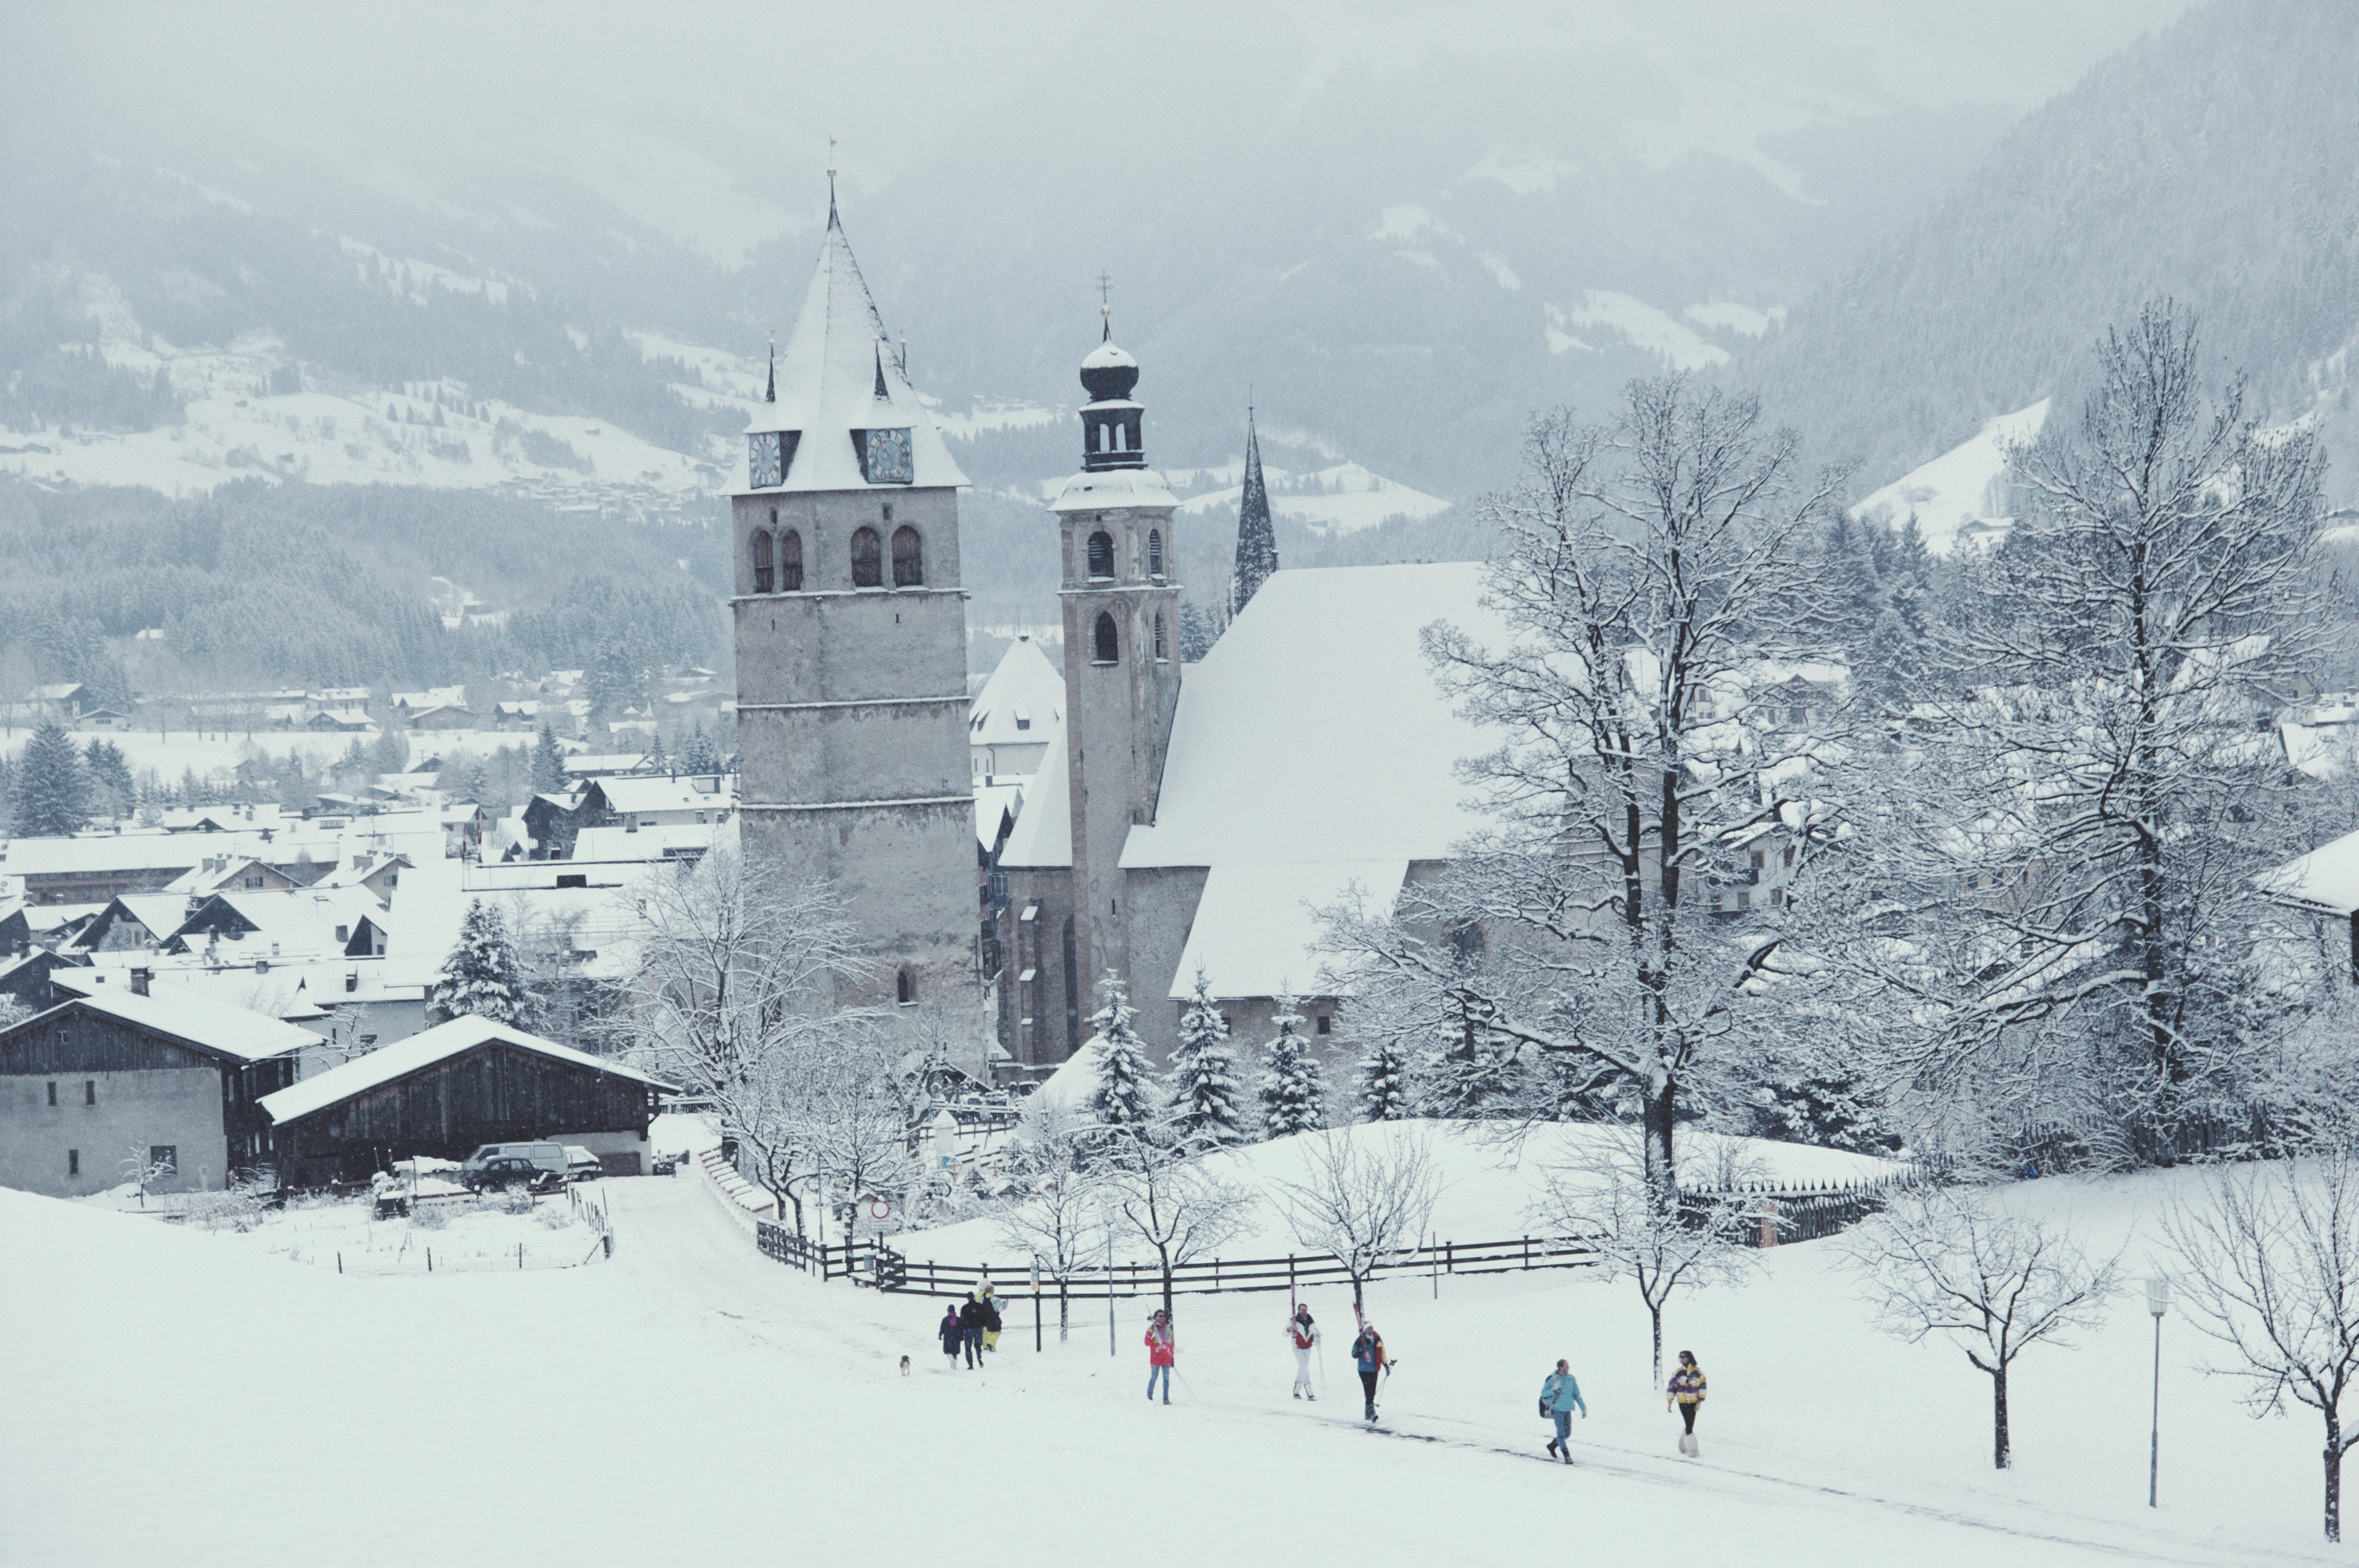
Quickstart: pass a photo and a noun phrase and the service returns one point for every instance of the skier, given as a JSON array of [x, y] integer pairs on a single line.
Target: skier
[[1368, 1356], [951, 1335], [1159, 1349], [971, 1317], [1686, 1393], [1560, 1397], [1304, 1334]]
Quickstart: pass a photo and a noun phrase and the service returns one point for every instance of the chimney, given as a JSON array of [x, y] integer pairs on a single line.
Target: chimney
[[139, 978]]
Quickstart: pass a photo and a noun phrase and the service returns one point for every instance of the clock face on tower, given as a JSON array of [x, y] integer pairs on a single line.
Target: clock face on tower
[[764, 469], [885, 457]]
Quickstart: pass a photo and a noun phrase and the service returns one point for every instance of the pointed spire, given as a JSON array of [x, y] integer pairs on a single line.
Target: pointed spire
[[1257, 537], [882, 394], [830, 184], [770, 392]]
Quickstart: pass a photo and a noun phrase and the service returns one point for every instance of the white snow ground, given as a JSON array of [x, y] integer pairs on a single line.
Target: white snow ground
[[174, 1396], [1960, 497]]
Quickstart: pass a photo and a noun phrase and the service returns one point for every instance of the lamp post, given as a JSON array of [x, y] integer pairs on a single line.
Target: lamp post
[[2157, 1301]]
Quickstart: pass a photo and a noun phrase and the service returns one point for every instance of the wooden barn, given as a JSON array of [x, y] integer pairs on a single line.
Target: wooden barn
[[102, 1089], [453, 1088]]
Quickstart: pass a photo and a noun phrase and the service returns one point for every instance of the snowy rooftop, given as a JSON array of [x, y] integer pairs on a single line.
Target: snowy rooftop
[[423, 1051], [122, 852], [2326, 879], [201, 1021], [1255, 933], [1323, 670], [702, 793], [656, 842], [1043, 837], [1025, 695], [839, 374], [1109, 487]]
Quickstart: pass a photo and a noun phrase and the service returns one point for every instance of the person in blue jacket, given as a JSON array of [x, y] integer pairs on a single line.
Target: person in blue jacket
[[1560, 1397]]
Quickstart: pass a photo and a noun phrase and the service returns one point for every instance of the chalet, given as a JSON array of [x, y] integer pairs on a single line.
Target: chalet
[[307, 922], [26, 980], [97, 1087], [16, 933], [340, 721], [458, 1085], [132, 922], [92, 869], [553, 821], [106, 719], [450, 716]]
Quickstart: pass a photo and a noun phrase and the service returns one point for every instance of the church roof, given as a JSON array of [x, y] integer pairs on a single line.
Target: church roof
[[1023, 699], [1043, 835], [839, 374], [1107, 489], [1256, 932], [1323, 670]]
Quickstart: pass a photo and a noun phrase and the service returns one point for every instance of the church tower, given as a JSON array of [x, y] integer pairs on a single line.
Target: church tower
[[1121, 601], [851, 637]]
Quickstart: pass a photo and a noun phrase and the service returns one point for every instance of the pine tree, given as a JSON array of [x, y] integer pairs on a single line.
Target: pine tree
[[110, 774], [1124, 1103], [52, 786], [1381, 1088], [483, 975], [1471, 1073], [698, 755], [1206, 1100], [547, 764], [1293, 1093]]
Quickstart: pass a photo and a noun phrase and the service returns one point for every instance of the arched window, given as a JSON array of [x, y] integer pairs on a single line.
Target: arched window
[[1162, 648], [867, 559], [761, 561], [1155, 552], [1106, 643], [908, 558], [1101, 554], [791, 562], [905, 986]]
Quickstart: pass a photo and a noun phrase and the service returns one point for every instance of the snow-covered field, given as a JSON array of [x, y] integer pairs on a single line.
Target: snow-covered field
[[447, 1234], [694, 1402]]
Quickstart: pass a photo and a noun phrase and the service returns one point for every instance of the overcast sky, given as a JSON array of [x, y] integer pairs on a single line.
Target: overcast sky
[[711, 122]]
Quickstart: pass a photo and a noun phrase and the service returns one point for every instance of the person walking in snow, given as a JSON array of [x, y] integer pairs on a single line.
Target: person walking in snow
[[1303, 1334], [1560, 1397], [989, 1301], [1686, 1396], [1160, 1348], [1368, 1356], [971, 1317], [951, 1333]]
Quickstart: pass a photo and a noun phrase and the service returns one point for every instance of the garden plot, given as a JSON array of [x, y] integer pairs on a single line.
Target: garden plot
[[449, 1233]]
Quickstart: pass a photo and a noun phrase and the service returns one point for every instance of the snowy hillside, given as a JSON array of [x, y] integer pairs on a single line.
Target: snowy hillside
[[1959, 499]]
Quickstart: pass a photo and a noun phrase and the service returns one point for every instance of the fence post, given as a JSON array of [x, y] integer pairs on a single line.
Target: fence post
[[1289, 1276], [429, 1260], [1528, 1252], [519, 1255]]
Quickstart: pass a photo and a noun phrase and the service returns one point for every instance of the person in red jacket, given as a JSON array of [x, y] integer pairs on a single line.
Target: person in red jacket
[[1159, 1348]]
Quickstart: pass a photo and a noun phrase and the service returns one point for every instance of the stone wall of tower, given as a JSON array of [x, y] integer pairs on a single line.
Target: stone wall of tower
[[1119, 714], [852, 721]]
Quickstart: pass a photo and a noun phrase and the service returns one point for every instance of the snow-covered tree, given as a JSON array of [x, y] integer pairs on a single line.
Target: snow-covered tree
[[1955, 1262], [547, 764], [1056, 1206], [1124, 1104], [1653, 576], [482, 977], [2271, 1256], [1207, 1102], [1380, 1090], [697, 753], [52, 786], [1365, 1199], [1176, 1206], [114, 793], [1293, 1089]]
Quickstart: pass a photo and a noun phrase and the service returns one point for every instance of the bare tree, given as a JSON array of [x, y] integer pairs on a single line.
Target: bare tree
[[856, 1123], [1952, 1261], [1178, 1207], [732, 994], [1056, 1211], [1651, 569], [2271, 1254], [1366, 1198], [1662, 1245]]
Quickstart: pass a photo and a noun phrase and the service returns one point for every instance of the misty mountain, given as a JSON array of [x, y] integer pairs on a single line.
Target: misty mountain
[[2212, 162]]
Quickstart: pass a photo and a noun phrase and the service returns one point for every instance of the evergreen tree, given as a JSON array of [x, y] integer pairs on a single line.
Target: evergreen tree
[[110, 772], [1124, 1103], [655, 757], [482, 975], [1381, 1088], [698, 755], [52, 793], [1206, 1100], [547, 764], [1293, 1093], [1471, 1073]]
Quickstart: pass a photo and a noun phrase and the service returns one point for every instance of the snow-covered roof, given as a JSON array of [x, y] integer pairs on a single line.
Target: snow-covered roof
[[1255, 933], [992, 803], [1109, 488], [1043, 835], [1025, 689], [658, 842], [1323, 670], [839, 374], [2326, 879], [119, 852], [420, 1051], [200, 1020], [668, 794]]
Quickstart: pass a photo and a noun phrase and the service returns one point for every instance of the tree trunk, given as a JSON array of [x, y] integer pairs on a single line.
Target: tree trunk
[[1656, 1313], [1662, 1172], [2334, 1477], [1063, 1306], [2002, 1456]]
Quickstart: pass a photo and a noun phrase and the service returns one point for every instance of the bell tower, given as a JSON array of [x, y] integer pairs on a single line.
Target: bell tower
[[1121, 602]]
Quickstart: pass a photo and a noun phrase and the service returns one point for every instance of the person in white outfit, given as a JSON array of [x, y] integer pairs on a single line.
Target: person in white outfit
[[1303, 1334]]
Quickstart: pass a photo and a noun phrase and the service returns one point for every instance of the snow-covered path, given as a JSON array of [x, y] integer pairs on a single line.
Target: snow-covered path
[[176, 1396]]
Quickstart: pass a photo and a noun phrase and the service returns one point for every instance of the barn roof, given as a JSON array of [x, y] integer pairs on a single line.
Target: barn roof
[[214, 1027], [420, 1051]]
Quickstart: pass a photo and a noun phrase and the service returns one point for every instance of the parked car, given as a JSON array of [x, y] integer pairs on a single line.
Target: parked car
[[664, 1165], [498, 1166], [581, 1165]]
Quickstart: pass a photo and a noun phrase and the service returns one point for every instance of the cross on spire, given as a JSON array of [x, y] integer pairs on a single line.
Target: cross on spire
[[831, 180], [1105, 307]]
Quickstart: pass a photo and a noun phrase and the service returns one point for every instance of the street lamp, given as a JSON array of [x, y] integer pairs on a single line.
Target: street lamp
[[2157, 1301]]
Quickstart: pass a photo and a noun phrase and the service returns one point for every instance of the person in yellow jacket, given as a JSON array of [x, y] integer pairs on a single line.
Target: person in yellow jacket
[[1685, 1393], [988, 1299]]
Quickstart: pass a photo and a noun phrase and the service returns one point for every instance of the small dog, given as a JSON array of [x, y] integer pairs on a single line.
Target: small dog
[[905, 1366]]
